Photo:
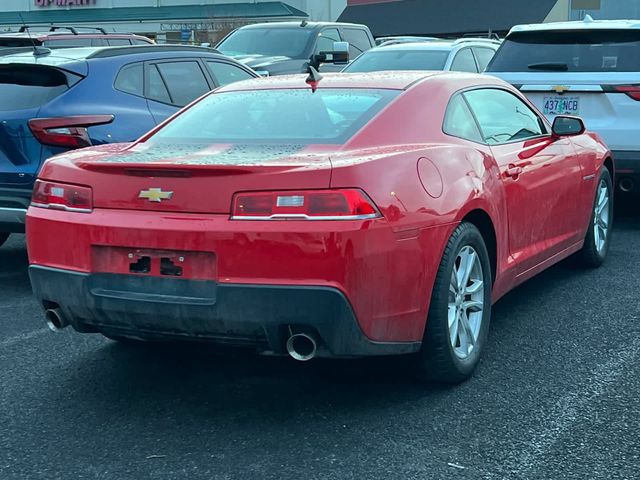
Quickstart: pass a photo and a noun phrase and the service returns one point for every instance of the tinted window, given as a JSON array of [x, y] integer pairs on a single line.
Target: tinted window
[[281, 116], [326, 39], [185, 81], [464, 62], [18, 42], [225, 73], [117, 42], [67, 42], [483, 56], [382, 59], [358, 41], [29, 86], [573, 51], [288, 42], [97, 42], [130, 79], [157, 89], [459, 121], [503, 117]]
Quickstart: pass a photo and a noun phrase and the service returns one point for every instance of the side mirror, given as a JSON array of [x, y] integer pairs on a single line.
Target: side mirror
[[339, 56], [566, 126]]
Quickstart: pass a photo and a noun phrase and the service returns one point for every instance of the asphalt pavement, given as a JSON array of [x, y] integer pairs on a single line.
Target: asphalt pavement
[[556, 396]]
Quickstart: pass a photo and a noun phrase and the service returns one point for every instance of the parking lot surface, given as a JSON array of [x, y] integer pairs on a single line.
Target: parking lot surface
[[556, 395]]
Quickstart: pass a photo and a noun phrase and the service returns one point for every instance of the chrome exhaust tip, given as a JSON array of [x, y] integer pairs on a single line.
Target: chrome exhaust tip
[[301, 347], [55, 319], [626, 184]]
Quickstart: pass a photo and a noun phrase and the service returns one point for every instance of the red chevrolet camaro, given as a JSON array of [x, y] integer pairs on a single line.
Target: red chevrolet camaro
[[356, 215]]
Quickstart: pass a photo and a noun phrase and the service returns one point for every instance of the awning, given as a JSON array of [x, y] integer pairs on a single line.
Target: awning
[[438, 17], [158, 14]]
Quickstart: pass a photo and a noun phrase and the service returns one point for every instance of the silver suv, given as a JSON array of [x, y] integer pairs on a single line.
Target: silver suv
[[463, 55]]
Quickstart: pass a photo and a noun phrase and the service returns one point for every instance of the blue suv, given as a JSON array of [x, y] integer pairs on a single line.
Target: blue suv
[[54, 101]]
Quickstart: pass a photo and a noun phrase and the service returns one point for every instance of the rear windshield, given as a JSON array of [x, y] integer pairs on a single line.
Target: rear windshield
[[287, 42], [297, 116], [29, 86], [379, 60], [569, 51]]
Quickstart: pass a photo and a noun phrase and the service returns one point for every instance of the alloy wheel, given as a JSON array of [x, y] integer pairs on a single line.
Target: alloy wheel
[[466, 302], [601, 216]]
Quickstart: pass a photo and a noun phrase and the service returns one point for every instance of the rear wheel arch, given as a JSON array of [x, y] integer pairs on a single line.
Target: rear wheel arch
[[608, 164], [482, 221]]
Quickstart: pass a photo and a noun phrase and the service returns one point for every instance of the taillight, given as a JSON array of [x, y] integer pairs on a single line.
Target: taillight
[[347, 204], [62, 196], [69, 132], [632, 91]]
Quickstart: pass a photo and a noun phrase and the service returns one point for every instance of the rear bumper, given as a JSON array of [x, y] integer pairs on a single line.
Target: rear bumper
[[13, 209], [168, 308]]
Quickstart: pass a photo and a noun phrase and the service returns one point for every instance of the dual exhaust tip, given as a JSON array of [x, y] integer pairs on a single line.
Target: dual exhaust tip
[[300, 346]]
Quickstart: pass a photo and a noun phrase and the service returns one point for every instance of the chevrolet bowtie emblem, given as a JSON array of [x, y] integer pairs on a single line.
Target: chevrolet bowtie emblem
[[560, 88], [155, 195]]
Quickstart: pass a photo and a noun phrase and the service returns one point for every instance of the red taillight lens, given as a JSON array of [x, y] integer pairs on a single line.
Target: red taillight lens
[[632, 91], [61, 196], [347, 204], [69, 132]]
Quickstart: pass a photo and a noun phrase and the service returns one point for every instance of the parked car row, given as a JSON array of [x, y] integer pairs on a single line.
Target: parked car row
[[327, 214]]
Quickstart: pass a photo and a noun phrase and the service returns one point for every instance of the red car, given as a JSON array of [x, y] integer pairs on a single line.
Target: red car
[[361, 214]]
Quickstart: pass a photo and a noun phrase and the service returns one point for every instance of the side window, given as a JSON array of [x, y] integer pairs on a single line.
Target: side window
[[503, 117], [68, 42], [137, 41], [459, 121], [225, 73], [118, 42], [97, 42], [157, 89], [185, 81], [130, 79], [484, 56], [358, 41], [464, 62], [326, 39]]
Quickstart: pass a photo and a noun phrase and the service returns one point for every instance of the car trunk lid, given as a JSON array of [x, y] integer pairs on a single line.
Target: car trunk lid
[[199, 178]]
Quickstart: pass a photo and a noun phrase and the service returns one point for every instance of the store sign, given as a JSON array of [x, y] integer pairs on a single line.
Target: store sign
[[63, 3]]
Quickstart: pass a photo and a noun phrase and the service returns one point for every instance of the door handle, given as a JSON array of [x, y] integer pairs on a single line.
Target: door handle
[[513, 171]]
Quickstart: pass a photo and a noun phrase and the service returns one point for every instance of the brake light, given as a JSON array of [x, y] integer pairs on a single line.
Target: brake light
[[632, 91], [347, 204], [61, 196], [69, 132]]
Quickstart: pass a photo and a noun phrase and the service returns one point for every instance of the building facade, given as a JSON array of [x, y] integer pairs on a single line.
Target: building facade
[[187, 21]]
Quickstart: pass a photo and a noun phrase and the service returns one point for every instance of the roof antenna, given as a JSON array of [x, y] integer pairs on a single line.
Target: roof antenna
[[303, 23], [314, 78], [37, 51]]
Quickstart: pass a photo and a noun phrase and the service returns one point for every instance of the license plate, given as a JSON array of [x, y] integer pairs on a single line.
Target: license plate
[[561, 105]]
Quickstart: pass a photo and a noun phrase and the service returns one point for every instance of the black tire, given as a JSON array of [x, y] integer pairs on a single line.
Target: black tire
[[591, 256], [4, 236], [437, 360]]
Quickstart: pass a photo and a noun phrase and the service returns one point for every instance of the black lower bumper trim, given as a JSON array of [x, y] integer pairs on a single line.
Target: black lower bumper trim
[[158, 308]]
